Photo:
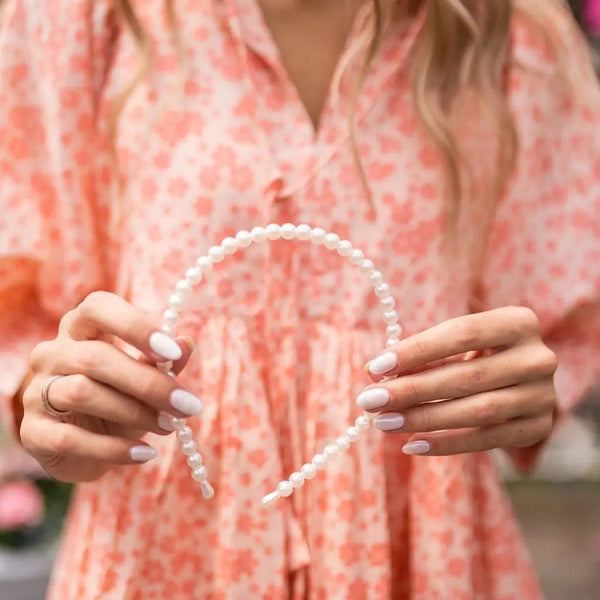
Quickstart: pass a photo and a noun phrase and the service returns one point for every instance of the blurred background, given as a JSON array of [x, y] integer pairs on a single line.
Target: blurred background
[[558, 506]]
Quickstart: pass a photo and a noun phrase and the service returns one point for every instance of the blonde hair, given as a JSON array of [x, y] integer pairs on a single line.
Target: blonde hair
[[462, 45]]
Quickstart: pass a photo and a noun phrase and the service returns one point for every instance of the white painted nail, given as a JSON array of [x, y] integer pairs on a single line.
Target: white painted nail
[[389, 422], [165, 421], [164, 346], [373, 398], [416, 447], [185, 402], [383, 363], [142, 453]]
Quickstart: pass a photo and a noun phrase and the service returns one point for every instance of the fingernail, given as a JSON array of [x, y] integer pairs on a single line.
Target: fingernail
[[164, 346], [373, 398], [417, 447], [389, 422], [165, 421], [142, 453], [188, 341], [185, 402], [383, 363]]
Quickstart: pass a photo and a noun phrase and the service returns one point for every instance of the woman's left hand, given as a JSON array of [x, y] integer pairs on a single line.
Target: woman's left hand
[[503, 398]]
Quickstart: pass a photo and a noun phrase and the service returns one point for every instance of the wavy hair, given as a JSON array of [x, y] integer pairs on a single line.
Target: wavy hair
[[462, 45]]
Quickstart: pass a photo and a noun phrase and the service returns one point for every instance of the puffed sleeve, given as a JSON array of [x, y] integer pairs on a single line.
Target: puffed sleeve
[[51, 68], [544, 247]]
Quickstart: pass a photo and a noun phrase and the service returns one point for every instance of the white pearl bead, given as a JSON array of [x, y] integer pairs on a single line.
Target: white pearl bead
[[367, 267], [183, 287], [273, 231], [356, 257], [320, 461], [199, 473], [362, 423], [390, 317], [168, 329], [394, 331], [303, 232], [216, 253], [194, 460], [244, 238], [194, 275], [270, 498], [205, 264], [288, 231], [297, 479], [259, 235], [230, 245], [178, 423], [184, 434], [317, 235], [376, 278], [188, 447], [382, 290], [285, 489], [175, 302], [391, 343], [207, 490], [344, 248], [343, 443], [331, 451], [308, 470], [332, 240], [170, 316], [353, 434], [387, 303]]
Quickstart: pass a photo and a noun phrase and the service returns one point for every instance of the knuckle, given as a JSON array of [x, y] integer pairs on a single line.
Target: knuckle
[[471, 380], [526, 318], [40, 355], [409, 392], [92, 303], [467, 333], [62, 441], [547, 361], [90, 355], [424, 418], [27, 436], [485, 413], [78, 389]]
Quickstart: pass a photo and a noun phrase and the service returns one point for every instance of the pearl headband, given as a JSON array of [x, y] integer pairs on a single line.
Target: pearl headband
[[194, 276]]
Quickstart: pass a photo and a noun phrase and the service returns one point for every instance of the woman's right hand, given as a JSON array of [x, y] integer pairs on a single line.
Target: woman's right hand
[[114, 398]]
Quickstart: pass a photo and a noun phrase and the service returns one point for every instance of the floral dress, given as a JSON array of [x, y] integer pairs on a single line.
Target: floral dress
[[217, 142]]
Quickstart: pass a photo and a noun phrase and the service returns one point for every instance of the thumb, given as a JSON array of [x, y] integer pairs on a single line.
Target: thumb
[[187, 345]]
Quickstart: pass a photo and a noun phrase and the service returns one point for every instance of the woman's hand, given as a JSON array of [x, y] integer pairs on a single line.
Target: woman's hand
[[503, 398], [114, 398]]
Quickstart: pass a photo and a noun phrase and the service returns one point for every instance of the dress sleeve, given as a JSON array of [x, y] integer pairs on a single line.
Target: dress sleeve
[[544, 247], [51, 67]]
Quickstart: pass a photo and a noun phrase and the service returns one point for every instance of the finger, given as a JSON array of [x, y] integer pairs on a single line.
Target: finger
[[80, 394], [48, 441], [479, 410], [187, 347], [518, 433], [511, 367], [491, 329], [103, 313], [106, 364]]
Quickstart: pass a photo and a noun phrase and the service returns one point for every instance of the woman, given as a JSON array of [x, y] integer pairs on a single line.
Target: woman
[[454, 142]]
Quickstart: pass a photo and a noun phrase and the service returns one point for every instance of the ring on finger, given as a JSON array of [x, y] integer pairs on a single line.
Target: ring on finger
[[46, 401]]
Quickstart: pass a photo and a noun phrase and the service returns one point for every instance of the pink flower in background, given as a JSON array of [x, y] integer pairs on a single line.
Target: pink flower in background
[[21, 504], [592, 16]]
